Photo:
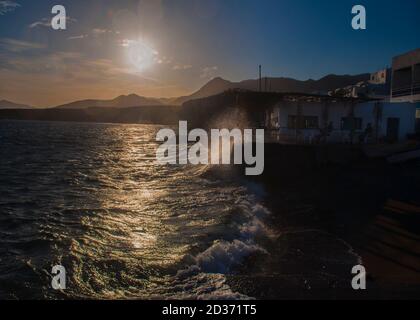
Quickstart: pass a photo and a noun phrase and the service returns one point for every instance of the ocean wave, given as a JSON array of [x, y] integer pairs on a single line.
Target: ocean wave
[[122, 225], [223, 256]]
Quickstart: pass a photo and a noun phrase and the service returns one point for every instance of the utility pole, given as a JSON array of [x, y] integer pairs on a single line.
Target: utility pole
[[260, 80]]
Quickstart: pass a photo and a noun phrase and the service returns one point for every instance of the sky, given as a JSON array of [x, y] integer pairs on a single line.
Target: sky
[[169, 48]]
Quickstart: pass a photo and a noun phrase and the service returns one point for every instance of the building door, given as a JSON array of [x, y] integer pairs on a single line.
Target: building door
[[393, 129]]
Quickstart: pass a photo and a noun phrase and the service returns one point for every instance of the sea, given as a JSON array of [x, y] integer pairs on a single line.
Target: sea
[[93, 199]]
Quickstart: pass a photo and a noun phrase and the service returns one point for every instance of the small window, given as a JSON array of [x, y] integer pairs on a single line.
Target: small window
[[311, 123], [349, 123]]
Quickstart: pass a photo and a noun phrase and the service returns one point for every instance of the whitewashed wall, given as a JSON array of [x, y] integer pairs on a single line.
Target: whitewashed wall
[[406, 112]]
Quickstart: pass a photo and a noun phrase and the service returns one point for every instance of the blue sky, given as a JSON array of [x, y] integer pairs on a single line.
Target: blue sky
[[172, 47]]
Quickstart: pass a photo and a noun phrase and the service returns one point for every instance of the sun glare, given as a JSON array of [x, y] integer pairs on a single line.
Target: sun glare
[[140, 54]]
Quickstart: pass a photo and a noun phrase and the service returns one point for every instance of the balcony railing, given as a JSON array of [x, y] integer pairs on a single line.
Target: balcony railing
[[402, 91]]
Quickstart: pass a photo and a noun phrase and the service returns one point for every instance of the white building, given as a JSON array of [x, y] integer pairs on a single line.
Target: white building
[[341, 121], [406, 77], [378, 87], [380, 77]]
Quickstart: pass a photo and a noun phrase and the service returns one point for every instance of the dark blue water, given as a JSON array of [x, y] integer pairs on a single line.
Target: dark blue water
[[91, 197]]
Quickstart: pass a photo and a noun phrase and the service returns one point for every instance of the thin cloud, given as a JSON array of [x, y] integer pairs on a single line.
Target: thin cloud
[[43, 63], [13, 45], [82, 36], [182, 67], [126, 43], [209, 72], [46, 22], [66, 63], [164, 60], [98, 31], [8, 6]]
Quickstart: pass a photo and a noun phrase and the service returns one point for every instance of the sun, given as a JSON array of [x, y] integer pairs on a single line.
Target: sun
[[140, 54]]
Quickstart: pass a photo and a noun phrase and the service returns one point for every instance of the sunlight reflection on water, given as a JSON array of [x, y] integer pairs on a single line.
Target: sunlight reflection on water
[[93, 198]]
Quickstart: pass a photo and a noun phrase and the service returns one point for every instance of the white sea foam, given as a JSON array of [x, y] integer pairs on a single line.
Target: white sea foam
[[223, 256]]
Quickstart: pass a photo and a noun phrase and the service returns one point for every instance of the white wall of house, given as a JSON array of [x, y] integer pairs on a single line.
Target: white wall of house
[[405, 112], [367, 112], [379, 77]]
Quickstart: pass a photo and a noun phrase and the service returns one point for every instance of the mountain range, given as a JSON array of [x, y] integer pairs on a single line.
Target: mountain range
[[131, 100], [216, 86], [5, 104], [321, 86]]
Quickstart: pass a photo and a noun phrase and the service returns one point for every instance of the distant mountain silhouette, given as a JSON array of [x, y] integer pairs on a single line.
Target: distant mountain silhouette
[[214, 87], [131, 100], [5, 104], [321, 86]]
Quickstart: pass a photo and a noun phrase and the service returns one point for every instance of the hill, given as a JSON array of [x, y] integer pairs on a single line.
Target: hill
[[123, 101], [321, 86], [5, 104]]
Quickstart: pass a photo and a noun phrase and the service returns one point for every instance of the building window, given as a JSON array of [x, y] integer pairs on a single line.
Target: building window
[[350, 123], [402, 78], [311, 122], [307, 122]]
